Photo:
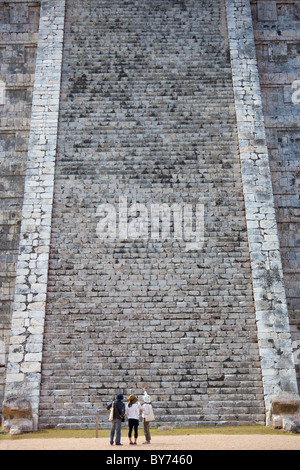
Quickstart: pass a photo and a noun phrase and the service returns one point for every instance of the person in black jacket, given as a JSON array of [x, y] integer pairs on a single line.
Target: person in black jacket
[[118, 418]]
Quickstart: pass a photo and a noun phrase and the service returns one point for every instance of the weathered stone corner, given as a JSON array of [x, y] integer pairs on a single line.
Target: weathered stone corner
[[285, 412], [17, 416]]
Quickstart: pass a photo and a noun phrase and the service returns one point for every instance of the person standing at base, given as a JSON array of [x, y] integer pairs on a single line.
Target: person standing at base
[[147, 415], [118, 418], [133, 409]]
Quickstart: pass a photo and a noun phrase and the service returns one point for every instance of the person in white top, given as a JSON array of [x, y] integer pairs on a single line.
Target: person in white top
[[133, 409], [147, 415]]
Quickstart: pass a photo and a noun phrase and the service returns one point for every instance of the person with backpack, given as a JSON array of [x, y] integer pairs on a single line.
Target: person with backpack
[[147, 415]]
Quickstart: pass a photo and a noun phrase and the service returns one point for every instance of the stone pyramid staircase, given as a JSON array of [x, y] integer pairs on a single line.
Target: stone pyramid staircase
[[147, 113]]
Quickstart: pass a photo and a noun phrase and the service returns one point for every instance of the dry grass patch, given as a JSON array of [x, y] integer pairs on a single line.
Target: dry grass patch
[[91, 433]]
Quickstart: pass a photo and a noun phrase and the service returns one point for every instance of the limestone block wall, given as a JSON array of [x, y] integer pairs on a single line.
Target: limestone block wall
[[277, 361], [144, 112], [19, 24], [23, 374], [277, 39]]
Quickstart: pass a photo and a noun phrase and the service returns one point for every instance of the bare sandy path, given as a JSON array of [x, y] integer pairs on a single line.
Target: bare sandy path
[[162, 443]]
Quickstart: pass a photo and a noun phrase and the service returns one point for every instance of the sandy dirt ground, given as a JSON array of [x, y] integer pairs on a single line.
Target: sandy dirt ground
[[164, 443]]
